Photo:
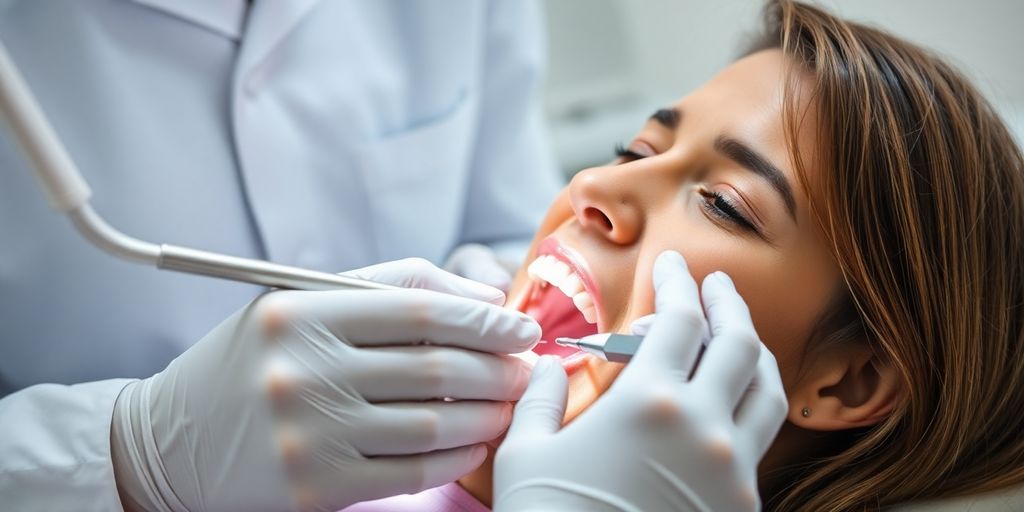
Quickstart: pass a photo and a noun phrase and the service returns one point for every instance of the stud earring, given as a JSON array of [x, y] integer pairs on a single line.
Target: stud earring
[[805, 412]]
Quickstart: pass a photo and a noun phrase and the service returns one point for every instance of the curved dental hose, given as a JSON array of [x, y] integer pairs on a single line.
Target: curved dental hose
[[68, 193]]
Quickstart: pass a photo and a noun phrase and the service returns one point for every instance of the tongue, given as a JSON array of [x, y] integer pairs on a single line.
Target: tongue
[[558, 318]]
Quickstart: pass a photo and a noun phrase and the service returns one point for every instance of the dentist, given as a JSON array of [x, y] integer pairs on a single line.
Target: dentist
[[327, 135]]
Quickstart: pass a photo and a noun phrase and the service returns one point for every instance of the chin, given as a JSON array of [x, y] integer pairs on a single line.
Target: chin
[[557, 289]]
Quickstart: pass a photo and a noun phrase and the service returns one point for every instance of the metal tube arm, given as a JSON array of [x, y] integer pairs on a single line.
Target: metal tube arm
[[68, 193]]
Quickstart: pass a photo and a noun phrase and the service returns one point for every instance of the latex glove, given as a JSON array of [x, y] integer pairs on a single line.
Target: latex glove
[[322, 399], [479, 263], [656, 440]]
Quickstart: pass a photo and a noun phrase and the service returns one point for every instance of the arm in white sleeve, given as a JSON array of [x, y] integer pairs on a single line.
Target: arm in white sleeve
[[55, 447], [514, 177]]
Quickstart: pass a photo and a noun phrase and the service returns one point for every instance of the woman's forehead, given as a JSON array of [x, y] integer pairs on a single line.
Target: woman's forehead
[[746, 94]]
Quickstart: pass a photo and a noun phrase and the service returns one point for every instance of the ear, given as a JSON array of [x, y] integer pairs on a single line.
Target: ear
[[845, 388]]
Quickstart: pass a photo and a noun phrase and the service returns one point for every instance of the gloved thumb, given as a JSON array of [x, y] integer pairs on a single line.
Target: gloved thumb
[[420, 273], [542, 407], [641, 326]]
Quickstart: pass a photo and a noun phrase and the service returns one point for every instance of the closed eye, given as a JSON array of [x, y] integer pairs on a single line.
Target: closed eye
[[714, 203], [719, 205], [626, 154]]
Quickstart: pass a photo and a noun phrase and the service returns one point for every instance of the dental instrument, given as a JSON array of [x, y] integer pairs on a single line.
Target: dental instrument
[[616, 348], [68, 193]]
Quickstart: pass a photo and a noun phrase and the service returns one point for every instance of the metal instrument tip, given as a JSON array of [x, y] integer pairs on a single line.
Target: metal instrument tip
[[567, 342]]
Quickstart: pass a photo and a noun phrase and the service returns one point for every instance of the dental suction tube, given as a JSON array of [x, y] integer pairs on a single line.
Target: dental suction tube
[[68, 193], [64, 186]]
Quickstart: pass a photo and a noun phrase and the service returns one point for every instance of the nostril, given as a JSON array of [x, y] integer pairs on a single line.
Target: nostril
[[597, 216]]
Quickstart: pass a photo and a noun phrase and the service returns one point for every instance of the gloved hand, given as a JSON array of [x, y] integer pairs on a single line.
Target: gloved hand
[[479, 263], [656, 440], [317, 400]]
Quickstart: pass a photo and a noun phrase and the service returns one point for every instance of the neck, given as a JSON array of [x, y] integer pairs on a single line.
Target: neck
[[792, 447]]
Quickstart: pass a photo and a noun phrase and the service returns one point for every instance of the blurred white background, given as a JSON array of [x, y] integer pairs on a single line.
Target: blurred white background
[[612, 62]]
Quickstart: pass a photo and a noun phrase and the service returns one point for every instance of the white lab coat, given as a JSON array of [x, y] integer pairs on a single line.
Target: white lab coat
[[323, 133]]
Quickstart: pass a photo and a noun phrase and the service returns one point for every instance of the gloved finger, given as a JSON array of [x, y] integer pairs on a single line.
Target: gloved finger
[[391, 374], [420, 273], [411, 428], [380, 477], [641, 326], [415, 473], [294, 379], [396, 317], [539, 413], [730, 361], [674, 338], [763, 408], [479, 263]]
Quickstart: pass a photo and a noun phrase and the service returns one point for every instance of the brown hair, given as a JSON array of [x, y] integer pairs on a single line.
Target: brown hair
[[923, 203]]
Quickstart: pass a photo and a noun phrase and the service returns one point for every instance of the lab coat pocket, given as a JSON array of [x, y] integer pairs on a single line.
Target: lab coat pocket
[[417, 180]]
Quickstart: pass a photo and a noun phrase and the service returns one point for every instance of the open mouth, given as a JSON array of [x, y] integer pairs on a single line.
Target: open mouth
[[562, 297]]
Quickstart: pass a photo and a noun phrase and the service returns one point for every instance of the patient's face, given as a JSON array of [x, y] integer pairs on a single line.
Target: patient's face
[[711, 177]]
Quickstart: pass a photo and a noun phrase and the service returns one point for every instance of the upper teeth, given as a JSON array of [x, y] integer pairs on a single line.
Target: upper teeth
[[551, 270]]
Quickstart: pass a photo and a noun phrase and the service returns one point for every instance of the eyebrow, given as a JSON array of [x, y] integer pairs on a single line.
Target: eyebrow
[[667, 117], [754, 161], [740, 153]]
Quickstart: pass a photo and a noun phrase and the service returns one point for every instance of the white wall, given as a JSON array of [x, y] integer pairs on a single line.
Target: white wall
[[613, 61]]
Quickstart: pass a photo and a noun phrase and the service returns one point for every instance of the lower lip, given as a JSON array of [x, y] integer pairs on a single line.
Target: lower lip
[[575, 362], [571, 363]]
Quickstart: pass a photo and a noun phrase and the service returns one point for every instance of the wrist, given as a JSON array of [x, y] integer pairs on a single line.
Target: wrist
[[130, 456], [121, 458]]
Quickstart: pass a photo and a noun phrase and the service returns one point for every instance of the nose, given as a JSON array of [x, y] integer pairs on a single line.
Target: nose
[[609, 201]]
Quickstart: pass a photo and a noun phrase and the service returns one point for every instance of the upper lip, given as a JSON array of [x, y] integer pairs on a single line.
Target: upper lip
[[552, 246]]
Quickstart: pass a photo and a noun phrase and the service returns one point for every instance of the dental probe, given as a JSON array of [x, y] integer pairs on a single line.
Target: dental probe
[[68, 193], [617, 348]]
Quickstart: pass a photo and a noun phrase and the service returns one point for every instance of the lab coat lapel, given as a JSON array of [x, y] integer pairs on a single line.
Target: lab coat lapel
[[269, 22], [225, 17]]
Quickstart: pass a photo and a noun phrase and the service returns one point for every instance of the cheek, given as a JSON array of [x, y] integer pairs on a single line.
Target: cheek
[[785, 304], [705, 248], [702, 257], [784, 295]]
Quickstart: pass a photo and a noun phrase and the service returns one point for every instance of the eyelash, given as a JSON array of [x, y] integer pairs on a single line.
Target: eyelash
[[627, 154], [717, 204], [714, 202]]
